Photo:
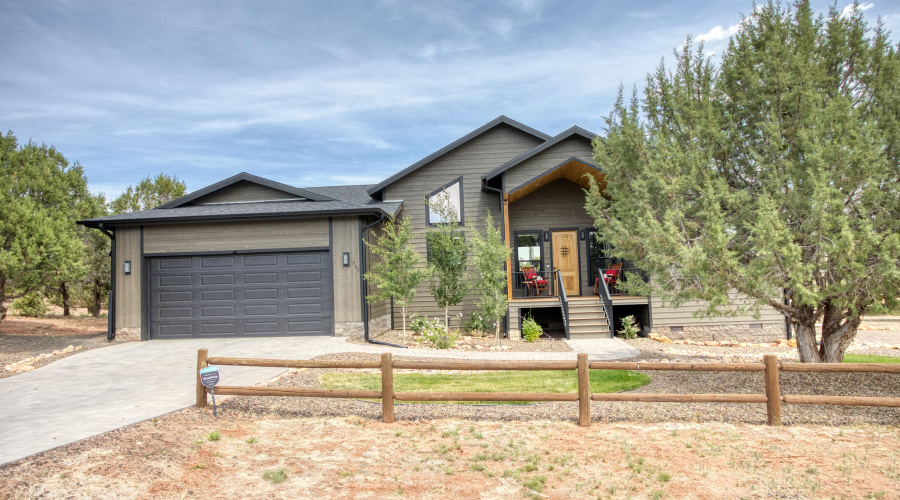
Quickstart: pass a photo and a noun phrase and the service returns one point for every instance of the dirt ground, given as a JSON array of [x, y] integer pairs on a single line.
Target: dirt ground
[[27, 343], [178, 456]]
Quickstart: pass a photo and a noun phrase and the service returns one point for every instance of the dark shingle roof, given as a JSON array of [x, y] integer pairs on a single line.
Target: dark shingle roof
[[345, 200]]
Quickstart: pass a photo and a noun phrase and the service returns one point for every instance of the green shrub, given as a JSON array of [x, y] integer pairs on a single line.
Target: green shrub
[[439, 338], [417, 323], [32, 304], [531, 331], [276, 476], [477, 324], [630, 328]]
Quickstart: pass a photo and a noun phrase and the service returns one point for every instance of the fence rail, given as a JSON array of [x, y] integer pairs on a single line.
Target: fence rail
[[770, 368]]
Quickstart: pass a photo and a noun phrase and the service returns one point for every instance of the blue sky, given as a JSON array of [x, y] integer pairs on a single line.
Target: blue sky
[[323, 93]]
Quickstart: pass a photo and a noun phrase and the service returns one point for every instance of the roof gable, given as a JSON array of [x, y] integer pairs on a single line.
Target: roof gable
[[500, 120], [266, 191], [575, 131]]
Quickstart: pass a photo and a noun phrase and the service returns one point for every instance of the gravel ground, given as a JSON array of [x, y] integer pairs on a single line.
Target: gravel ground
[[470, 343], [662, 382], [15, 348]]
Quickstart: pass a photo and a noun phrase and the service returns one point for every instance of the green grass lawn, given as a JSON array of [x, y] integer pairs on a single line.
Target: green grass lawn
[[524, 381], [869, 358]]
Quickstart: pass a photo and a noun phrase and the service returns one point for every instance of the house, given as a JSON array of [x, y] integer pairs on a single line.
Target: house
[[251, 257]]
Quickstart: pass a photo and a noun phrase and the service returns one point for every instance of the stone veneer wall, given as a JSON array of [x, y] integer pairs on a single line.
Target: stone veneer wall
[[355, 328], [719, 333], [127, 334]]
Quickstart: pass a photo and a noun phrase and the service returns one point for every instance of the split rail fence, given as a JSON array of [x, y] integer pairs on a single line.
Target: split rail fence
[[773, 398]]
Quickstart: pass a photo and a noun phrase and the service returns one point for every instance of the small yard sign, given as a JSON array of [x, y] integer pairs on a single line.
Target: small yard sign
[[209, 377]]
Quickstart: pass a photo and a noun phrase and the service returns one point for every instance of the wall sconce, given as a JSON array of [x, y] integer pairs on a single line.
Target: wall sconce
[[582, 235], [546, 236], [126, 268], [346, 258]]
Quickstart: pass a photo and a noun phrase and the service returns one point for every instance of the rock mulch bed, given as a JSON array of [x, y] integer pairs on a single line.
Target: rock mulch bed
[[662, 382], [471, 343]]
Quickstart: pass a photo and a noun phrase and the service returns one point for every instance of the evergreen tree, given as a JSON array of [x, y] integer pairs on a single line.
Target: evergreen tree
[[148, 193], [397, 272], [489, 254], [447, 253], [41, 196], [772, 176]]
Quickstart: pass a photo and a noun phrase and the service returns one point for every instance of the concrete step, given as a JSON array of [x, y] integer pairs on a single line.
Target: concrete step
[[593, 335], [588, 328], [587, 315]]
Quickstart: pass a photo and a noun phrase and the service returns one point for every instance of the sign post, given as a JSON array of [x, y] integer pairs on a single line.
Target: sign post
[[209, 377]]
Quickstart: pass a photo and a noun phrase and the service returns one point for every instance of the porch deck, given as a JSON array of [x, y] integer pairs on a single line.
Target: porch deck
[[623, 300]]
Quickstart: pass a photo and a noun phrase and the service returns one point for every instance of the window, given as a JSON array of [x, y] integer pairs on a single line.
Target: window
[[528, 249], [598, 255], [451, 197]]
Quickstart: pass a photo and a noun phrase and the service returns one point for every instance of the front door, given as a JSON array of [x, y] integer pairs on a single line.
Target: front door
[[565, 260]]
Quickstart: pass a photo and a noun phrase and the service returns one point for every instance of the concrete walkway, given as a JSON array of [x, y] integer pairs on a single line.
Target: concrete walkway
[[101, 390]]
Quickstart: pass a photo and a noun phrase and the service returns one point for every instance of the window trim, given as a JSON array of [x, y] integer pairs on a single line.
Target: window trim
[[462, 211]]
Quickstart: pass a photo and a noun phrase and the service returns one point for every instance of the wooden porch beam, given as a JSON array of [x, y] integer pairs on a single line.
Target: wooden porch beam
[[509, 271]]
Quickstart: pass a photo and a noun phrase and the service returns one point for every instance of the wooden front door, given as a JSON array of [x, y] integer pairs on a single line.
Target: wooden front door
[[565, 260]]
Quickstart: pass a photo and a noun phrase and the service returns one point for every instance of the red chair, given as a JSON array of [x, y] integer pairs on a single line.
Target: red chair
[[534, 284]]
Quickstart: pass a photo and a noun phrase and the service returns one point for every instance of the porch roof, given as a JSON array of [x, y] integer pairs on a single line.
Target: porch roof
[[573, 169]]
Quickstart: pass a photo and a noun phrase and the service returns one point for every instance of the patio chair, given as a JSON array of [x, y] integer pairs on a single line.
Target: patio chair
[[610, 276], [534, 284]]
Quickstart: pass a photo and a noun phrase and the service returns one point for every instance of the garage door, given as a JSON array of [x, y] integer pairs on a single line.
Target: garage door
[[240, 295]]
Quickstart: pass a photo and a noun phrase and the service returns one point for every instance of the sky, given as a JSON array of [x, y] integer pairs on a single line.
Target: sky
[[313, 93]]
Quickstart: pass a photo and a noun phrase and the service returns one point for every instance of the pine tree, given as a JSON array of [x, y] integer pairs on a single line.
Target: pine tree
[[772, 176]]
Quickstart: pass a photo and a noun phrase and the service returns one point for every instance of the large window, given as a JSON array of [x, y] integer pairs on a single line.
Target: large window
[[450, 197], [598, 255], [528, 249]]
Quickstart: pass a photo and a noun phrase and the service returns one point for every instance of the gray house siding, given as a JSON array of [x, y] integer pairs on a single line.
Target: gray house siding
[[244, 191], [128, 289], [243, 235], [576, 146], [469, 161], [558, 205]]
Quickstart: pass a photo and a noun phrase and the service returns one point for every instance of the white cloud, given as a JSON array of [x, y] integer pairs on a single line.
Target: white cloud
[[718, 33], [848, 10]]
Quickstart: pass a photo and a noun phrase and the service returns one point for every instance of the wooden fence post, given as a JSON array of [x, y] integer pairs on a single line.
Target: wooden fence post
[[387, 388], [584, 391], [773, 390], [202, 354]]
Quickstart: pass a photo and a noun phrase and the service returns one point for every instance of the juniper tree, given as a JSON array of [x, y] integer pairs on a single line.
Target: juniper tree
[[772, 175], [41, 195], [148, 193], [397, 272]]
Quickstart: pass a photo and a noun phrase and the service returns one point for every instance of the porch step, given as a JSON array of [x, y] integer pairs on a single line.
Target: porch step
[[587, 319]]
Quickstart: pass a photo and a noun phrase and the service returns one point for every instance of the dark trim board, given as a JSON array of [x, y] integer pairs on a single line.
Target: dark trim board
[[239, 252], [553, 169]]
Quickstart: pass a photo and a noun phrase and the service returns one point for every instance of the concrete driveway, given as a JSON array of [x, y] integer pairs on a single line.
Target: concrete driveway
[[103, 389]]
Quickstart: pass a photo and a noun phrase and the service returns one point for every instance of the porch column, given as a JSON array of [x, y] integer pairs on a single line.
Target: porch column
[[509, 269]]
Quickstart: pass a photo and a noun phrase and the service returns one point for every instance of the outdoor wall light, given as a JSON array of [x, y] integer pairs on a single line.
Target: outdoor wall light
[[546, 236], [582, 235], [127, 267], [346, 258]]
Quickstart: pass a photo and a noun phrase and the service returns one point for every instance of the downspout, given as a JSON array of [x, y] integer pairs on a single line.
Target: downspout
[[111, 314], [363, 286]]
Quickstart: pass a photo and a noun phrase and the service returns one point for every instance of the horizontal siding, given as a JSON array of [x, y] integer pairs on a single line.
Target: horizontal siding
[[576, 146], [665, 315], [381, 307], [557, 205], [244, 191], [244, 235], [470, 161]]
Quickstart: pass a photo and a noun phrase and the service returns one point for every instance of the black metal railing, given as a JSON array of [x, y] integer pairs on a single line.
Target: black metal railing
[[532, 284], [563, 301], [606, 299]]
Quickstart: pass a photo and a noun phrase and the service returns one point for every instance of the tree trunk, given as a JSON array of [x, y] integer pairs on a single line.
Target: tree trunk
[[2, 296], [497, 332], [404, 323], [64, 293], [839, 328], [97, 301], [447, 318], [2, 311], [807, 346]]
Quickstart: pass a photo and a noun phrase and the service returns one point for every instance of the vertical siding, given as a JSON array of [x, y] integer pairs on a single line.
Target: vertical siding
[[471, 160], [576, 146], [128, 286], [558, 205], [345, 238]]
